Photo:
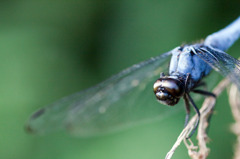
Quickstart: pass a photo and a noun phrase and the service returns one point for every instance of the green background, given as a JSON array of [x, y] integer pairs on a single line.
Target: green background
[[49, 49]]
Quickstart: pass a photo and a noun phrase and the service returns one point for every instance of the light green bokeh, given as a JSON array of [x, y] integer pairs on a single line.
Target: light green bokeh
[[49, 49]]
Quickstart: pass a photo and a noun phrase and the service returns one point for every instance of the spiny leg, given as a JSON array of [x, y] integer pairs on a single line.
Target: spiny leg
[[200, 84], [186, 101], [187, 106], [205, 93], [162, 74], [198, 113], [187, 81]]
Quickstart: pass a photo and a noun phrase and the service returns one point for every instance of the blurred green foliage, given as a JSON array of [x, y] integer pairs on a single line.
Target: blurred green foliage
[[50, 49]]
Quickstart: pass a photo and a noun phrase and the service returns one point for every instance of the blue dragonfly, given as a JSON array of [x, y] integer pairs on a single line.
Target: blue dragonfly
[[123, 100]]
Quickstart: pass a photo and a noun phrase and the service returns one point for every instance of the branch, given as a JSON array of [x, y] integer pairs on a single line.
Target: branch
[[235, 107], [201, 151]]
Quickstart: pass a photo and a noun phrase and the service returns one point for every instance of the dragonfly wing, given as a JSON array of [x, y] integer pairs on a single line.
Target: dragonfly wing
[[124, 100], [221, 62]]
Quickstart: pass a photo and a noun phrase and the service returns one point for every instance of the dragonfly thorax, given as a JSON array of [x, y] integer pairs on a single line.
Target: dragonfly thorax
[[168, 90]]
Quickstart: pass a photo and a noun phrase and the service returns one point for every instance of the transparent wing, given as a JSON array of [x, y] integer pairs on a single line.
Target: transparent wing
[[124, 100], [221, 62]]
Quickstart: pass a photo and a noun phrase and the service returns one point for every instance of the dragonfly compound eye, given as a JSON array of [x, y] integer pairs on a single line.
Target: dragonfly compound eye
[[168, 91]]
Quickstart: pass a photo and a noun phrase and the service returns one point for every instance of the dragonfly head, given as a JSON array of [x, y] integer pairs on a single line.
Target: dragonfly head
[[168, 91]]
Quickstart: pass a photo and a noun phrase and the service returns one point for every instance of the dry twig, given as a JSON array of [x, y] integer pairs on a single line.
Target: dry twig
[[201, 151], [235, 106]]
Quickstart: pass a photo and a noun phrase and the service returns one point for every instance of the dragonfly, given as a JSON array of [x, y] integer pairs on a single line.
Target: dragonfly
[[124, 100]]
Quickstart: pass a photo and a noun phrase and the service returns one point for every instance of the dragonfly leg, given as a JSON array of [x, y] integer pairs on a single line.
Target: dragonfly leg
[[187, 81], [162, 74], [202, 92], [200, 84], [187, 106], [198, 113], [206, 94]]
